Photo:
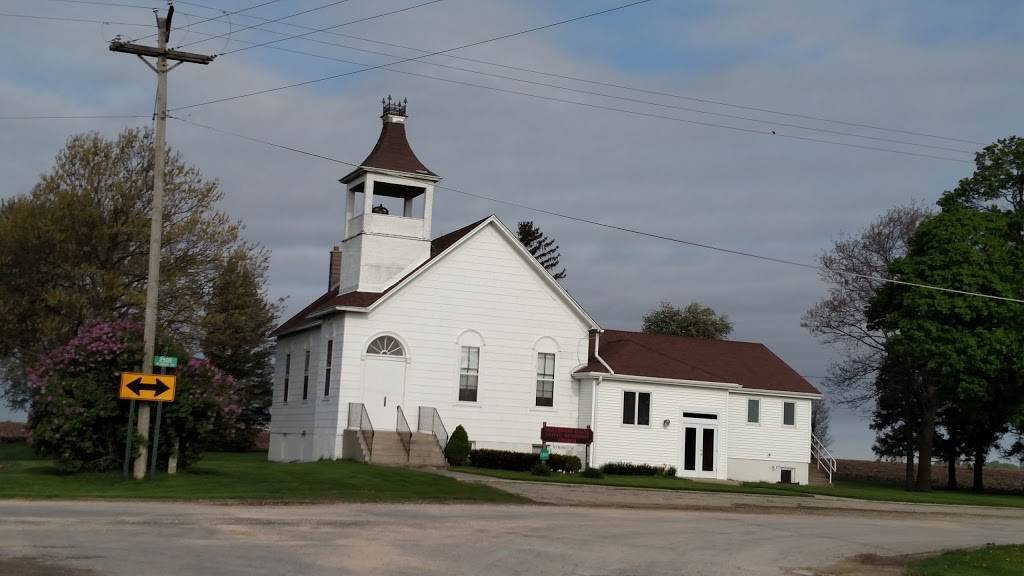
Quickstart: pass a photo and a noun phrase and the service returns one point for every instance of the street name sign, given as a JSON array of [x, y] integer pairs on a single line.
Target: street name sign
[[165, 361], [147, 387]]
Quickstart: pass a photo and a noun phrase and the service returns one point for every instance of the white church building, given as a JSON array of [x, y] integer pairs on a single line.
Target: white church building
[[417, 334]]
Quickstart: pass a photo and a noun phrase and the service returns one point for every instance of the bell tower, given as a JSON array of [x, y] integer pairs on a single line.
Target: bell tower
[[381, 247]]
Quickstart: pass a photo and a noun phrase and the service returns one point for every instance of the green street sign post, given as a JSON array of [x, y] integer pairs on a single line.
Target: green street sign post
[[544, 454], [165, 361]]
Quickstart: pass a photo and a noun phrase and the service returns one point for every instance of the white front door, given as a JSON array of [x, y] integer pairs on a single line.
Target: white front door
[[700, 450], [383, 389]]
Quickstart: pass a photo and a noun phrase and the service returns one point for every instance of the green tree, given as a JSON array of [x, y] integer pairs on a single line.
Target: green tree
[[75, 249], [239, 315], [838, 318], [696, 320], [964, 350], [543, 248]]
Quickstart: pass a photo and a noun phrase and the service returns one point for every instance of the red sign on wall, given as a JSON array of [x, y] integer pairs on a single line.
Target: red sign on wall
[[566, 435]]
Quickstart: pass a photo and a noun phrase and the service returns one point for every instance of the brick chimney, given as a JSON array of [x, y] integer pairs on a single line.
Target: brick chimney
[[334, 272]]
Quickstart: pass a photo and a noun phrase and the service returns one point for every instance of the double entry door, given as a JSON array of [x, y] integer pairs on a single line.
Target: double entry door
[[700, 448]]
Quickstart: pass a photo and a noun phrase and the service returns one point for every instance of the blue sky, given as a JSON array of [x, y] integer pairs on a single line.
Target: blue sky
[[946, 68]]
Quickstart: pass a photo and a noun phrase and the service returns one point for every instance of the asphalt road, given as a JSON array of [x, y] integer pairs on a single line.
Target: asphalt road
[[138, 539]]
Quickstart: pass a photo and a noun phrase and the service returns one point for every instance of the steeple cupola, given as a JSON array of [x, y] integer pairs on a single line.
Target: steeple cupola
[[382, 243]]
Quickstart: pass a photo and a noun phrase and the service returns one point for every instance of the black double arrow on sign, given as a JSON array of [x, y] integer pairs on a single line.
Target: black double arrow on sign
[[147, 387], [157, 387]]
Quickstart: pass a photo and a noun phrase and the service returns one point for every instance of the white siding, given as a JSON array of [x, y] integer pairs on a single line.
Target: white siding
[[292, 422], [656, 444], [758, 451], [485, 285]]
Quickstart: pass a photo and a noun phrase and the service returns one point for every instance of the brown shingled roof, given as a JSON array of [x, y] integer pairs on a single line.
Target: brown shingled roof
[[332, 299], [749, 364], [392, 152]]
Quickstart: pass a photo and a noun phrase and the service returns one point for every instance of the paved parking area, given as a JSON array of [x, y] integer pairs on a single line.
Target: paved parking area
[[143, 538]]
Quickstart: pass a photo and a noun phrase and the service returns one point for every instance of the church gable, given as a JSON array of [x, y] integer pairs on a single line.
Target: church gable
[[490, 265]]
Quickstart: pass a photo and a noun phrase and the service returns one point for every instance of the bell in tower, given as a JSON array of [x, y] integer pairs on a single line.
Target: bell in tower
[[381, 245]]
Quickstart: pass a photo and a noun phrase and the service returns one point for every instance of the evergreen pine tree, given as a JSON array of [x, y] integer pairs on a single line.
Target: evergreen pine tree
[[543, 248]]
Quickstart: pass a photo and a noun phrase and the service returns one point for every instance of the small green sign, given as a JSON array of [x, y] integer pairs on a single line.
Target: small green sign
[[544, 454], [165, 362]]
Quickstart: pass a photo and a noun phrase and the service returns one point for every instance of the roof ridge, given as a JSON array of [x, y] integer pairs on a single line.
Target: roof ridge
[[694, 338]]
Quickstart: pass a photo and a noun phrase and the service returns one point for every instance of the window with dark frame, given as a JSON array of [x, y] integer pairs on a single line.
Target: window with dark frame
[[327, 371], [545, 379], [469, 373], [305, 378], [287, 374], [753, 411], [636, 408], [789, 413]]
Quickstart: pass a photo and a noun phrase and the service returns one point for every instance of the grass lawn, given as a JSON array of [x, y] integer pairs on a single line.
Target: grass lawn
[[988, 561], [893, 493], [240, 477], [633, 482]]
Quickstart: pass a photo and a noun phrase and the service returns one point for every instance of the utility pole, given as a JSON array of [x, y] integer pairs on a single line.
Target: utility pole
[[162, 54]]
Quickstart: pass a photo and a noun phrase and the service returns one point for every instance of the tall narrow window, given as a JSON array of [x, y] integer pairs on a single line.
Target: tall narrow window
[[469, 373], [629, 407], [636, 408], [753, 411], [545, 379], [305, 378], [287, 374], [327, 371], [789, 413]]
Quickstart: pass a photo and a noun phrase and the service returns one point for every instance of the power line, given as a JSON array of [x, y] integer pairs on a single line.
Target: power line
[[771, 133], [70, 116], [460, 47], [607, 84], [307, 11], [580, 91], [114, 4], [224, 14], [66, 19], [598, 223], [367, 18]]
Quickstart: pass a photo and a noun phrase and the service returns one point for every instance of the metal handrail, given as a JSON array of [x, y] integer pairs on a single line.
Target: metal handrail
[[359, 419], [404, 433], [430, 421], [823, 458]]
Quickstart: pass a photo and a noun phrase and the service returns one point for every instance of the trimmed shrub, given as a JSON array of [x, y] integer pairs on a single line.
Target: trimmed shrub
[[670, 471], [540, 469], [457, 450], [570, 464], [503, 460], [592, 473], [628, 469], [522, 461]]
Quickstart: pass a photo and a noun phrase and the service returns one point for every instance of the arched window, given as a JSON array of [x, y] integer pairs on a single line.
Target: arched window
[[386, 346]]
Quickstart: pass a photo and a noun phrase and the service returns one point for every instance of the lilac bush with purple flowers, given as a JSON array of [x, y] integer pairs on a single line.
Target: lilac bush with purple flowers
[[77, 419]]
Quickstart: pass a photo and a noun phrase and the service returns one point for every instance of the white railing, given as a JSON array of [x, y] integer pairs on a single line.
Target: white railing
[[823, 459]]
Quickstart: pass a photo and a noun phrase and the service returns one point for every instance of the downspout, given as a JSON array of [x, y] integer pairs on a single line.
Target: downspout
[[597, 347], [593, 396], [593, 418]]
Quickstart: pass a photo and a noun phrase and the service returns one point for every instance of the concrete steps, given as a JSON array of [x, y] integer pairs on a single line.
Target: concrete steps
[[388, 450]]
